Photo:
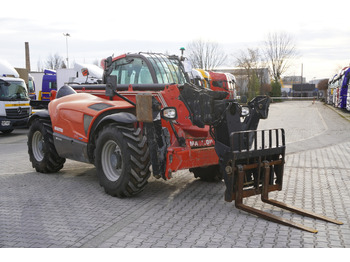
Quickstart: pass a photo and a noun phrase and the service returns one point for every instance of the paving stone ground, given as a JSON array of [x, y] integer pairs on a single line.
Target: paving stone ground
[[70, 209]]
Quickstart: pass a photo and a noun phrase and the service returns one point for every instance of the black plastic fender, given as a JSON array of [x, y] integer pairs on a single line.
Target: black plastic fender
[[122, 117], [39, 114]]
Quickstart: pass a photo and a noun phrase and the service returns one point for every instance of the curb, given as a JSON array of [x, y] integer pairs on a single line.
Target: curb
[[342, 112]]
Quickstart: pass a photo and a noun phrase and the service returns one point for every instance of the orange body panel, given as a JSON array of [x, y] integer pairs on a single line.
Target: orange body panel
[[179, 158], [67, 113]]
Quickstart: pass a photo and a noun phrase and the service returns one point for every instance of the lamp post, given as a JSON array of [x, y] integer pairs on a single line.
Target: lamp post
[[67, 35]]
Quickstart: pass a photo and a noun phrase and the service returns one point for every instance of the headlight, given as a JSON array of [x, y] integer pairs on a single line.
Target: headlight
[[245, 111], [169, 113]]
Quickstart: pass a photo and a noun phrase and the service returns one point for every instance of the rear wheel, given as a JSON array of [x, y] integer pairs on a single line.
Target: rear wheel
[[122, 160], [41, 148], [209, 173]]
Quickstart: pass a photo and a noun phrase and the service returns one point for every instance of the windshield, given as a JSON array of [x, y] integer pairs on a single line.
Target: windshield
[[167, 70], [13, 90], [131, 71]]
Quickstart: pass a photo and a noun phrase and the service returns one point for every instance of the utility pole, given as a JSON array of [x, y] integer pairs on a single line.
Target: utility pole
[[301, 80], [67, 35]]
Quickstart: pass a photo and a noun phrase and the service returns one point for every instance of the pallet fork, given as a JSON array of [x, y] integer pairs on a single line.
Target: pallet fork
[[255, 166]]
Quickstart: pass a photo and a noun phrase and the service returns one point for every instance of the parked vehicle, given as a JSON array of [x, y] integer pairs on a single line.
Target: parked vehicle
[[14, 99], [348, 99], [336, 86], [197, 78], [343, 91], [31, 87], [331, 90], [53, 79], [29, 80], [206, 77], [79, 74], [223, 82], [215, 81], [44, 82]]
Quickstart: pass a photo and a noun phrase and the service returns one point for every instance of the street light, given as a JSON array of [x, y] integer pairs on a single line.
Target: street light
[[66, 35]]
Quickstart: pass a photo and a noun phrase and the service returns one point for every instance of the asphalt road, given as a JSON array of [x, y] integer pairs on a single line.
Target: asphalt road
[[70, 209]]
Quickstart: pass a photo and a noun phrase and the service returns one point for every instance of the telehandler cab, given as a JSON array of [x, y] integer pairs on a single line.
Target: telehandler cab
[[148, 114]]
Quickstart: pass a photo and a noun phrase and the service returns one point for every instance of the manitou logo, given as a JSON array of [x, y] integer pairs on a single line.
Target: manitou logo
[[201, 143]]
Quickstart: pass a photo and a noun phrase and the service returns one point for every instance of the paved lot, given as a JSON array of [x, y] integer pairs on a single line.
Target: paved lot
[[70, 209]]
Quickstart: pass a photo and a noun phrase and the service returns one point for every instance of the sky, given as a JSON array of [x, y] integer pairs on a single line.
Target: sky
[[98, 29]]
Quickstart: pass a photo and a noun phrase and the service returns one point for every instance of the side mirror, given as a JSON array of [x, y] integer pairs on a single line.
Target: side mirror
[[108, 66], [108, 62], [169, 113], [111, 86]]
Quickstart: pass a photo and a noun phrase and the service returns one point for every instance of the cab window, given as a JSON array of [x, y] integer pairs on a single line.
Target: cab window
[[167, 70], [31, 86], [131, 71], [53, 85]]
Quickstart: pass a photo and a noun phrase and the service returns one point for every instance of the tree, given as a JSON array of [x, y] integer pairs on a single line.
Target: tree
[[205, 54], [266, 89], [251, 61], [276, 89], [279, 51], [323, 84], [254, 86], [55, 62]]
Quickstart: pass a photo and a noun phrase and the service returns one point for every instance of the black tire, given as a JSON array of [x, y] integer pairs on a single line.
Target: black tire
[[208, 174], [122, 160], [41, 148]]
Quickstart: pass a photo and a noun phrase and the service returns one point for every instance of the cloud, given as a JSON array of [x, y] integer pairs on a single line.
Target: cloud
[[101, 29], [324, 43]]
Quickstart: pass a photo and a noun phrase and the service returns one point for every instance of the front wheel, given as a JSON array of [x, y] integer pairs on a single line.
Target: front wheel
[[41, 148], [122, 160]]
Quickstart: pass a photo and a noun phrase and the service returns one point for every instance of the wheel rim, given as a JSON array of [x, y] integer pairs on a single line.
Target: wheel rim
[[111, 159], [37, 146]]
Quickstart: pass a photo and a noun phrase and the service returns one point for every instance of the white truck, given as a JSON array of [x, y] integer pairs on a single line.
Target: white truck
[[14, 100], [80, 74]]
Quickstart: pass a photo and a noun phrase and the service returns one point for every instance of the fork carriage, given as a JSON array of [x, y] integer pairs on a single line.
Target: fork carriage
[[254, 166]]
